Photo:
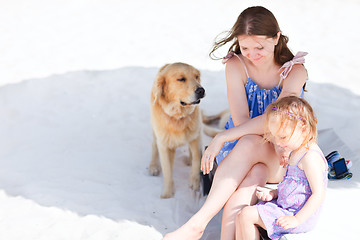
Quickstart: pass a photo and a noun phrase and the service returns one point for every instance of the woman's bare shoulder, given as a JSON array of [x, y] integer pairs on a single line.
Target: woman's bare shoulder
[[234, 68], [298, 70], [295, 81]]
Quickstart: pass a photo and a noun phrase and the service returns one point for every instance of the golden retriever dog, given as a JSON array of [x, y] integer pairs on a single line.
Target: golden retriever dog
[[176, 121]]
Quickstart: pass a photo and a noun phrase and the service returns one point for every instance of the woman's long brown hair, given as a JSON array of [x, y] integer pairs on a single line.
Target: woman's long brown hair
[[256, 21]]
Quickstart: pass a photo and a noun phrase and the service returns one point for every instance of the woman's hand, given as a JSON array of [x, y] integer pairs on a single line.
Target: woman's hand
[[287, 222], [207, 160], [265, 194]]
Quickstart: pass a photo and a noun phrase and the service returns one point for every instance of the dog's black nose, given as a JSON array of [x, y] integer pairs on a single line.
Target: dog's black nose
[[200, 92]]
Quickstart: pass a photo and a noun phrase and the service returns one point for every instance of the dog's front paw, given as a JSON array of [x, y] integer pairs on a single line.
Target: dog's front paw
[[194, 182], [187, 161], [168, 191], [154, 169]]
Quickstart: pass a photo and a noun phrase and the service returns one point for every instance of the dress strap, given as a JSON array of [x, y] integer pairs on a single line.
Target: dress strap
[[286, 67], [314, 150], [230, 55]]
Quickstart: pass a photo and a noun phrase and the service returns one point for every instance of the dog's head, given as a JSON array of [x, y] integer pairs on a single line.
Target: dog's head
[[178, 84]]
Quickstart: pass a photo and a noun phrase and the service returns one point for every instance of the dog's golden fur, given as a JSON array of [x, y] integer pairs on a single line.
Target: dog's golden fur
[[176, 121]]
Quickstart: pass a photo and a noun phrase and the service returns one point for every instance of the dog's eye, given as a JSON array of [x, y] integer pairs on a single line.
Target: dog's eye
[[197, 77], [182, 79]]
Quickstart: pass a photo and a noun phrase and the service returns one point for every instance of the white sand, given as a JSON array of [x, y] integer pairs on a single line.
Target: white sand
[[75, 134]]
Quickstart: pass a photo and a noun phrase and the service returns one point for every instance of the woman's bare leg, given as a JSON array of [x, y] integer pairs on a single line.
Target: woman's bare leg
[[250, 150], [242, 197]]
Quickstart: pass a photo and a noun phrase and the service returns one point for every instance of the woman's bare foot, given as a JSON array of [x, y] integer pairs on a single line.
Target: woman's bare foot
[[188, 231]]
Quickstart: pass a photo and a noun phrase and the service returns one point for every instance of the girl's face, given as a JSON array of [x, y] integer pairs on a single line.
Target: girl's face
[[257, 49], [287, 138]]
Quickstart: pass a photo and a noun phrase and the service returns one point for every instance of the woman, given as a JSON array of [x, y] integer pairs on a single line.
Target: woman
[[260, 69]]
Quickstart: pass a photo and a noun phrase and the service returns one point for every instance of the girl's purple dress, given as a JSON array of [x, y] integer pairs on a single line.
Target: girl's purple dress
[[293, 193]]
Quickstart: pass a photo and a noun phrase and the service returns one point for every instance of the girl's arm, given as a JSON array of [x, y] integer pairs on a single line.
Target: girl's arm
[[314, 166]]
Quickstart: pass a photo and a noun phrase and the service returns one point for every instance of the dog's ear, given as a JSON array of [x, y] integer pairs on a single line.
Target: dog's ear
[[163, 67], [198, 73], [158, 88]]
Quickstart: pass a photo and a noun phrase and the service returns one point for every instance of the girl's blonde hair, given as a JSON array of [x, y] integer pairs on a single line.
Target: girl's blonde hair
[[291, 111]]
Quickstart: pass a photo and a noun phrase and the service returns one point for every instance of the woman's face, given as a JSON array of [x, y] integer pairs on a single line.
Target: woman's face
[[257, 49]]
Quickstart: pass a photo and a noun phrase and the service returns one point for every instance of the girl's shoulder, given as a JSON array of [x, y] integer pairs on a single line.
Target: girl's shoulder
[[314, 157]]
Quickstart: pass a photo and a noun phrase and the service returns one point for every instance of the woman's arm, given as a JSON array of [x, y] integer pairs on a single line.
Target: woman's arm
[[235, 81], [253, 126], [236, 78], [293, 84], [313, 165], [239, 109]]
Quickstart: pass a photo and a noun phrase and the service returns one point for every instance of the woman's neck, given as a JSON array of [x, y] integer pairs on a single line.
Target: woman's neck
[[266, 75], [266, 67]]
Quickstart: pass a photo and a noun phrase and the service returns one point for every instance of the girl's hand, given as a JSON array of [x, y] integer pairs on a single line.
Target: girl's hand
[[265, 194], [207, 160], [287, 222], [283, 155]]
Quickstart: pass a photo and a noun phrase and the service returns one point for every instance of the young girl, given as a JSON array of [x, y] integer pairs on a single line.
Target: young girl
[[294, 206]]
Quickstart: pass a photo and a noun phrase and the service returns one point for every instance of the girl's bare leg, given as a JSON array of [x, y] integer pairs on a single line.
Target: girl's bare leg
[[246, 222], [242, 197], [230, 173]]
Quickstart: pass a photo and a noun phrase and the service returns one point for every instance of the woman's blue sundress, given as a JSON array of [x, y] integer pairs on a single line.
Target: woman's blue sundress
[[258, 99]]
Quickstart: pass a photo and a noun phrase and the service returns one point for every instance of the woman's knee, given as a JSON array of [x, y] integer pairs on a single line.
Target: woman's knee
[[259, 171], [249, 141]]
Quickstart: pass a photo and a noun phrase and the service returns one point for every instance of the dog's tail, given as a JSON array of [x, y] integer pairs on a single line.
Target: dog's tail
[[211, 131], [211, 119], [217, 119]]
